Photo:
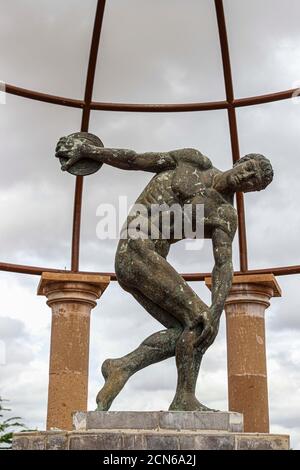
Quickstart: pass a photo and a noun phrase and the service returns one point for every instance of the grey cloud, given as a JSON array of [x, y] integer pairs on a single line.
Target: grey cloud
[[148, 52], [284, 312], [48, 51], [11, 328], [264, 42]]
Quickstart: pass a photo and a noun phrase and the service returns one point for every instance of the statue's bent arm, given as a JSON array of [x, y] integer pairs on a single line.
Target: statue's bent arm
[[222, 272]]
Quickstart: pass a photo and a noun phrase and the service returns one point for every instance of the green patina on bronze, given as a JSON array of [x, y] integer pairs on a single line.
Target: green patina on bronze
[[181, 177]]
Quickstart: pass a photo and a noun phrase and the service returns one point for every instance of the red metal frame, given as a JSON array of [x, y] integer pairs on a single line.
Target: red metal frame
[[87, 105], [152, 107], [84, 128], [233, 129]]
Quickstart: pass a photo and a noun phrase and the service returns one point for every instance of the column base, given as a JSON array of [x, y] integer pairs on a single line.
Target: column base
[[117, 431]]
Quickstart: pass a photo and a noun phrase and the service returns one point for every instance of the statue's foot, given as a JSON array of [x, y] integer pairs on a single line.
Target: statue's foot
[[115, 378], [188, 402]]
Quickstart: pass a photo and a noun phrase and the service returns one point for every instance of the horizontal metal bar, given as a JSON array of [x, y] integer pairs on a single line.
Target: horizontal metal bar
[[278, 271], [269, 98], [158, 108], [24, 269], [37, 271], [35, 95]]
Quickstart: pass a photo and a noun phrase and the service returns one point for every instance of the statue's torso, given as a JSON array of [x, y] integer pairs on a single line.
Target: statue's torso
[[185, 185]]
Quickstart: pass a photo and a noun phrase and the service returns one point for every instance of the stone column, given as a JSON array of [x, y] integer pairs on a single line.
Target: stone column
[[71, 298], [246, 347]]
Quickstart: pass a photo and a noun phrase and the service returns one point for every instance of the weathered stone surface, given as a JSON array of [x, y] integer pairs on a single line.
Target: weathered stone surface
[[161, 442], [195, 420], [218, 442], [29, 441], [122, 420], [149, 440], [236, 422], [207, 441], [56, 441], [169, 420], [37, 443], [79, 420], [133, 441], [262, 442], [20, 443], [93, 441]]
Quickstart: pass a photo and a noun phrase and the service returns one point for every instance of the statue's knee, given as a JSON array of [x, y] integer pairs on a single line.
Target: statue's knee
[[122, 271], [128, 270], [139, 248]]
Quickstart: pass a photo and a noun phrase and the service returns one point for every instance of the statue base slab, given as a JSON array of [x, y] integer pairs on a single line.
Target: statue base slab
[[175, 430]]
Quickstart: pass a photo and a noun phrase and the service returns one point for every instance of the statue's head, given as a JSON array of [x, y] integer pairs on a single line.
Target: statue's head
[[253, 172]]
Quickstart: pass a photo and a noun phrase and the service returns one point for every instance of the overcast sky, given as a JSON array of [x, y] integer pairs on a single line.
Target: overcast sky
[[151, 51]]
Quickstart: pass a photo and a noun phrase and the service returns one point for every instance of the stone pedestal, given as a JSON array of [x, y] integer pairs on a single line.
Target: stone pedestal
[[246, 347], [171, 430], [71, 298]]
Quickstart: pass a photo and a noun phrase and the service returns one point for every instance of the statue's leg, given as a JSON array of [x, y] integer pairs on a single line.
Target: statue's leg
[[144, 269], [155, 348], [188, 361]]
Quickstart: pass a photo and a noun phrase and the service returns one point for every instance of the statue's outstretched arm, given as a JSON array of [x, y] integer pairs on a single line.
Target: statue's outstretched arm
[[154, 162], [74, 148]]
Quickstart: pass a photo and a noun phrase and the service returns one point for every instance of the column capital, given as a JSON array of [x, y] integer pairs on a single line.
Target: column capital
[[251, 288], [72, 287]]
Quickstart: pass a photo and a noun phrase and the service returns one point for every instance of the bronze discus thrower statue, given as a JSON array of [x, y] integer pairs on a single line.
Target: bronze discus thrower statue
[[181, 177]]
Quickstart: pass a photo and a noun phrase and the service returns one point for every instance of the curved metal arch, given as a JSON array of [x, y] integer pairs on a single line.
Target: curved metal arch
[[151, 107], [87, 105]]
